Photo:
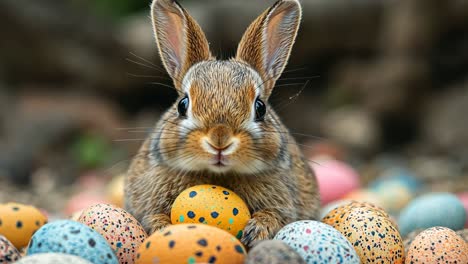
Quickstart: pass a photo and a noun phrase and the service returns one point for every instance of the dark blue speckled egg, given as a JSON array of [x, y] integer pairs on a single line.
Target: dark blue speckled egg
[[73, 238], [318, 243]]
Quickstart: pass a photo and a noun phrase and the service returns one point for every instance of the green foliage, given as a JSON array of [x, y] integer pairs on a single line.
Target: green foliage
[[91, 151]]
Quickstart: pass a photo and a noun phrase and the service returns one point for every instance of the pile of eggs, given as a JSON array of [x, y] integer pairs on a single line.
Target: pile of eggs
[[357, 225]]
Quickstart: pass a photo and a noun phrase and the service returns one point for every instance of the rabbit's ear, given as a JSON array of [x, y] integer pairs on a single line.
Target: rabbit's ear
[[180, 39], [267, 43]]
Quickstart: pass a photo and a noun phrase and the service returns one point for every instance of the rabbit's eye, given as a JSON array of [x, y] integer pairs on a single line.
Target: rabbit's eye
[[183, 106], [260, 110]]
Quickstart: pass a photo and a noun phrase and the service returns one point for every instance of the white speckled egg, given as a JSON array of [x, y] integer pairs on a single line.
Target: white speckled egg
[[121, 230], [370, 230], [8, 252], [70, 237], [52, 258], [437, 245], [318, 243], [434, 209]]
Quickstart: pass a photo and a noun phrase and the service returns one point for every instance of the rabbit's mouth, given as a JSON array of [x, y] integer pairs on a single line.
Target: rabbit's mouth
[[220, 161]]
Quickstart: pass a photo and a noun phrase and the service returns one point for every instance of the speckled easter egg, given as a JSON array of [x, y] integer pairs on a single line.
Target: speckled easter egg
[[70, 237], [8, 252], [191, 243], [335, 179], [121, 230], [212, 205], [318, 243], [438, 245], [369, 229], [18, 222], [434, 209], [464, 199], [52, 258], [273, 252]]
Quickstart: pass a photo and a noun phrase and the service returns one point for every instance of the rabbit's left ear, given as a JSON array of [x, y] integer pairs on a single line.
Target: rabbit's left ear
[[180, 39], [267, 43]]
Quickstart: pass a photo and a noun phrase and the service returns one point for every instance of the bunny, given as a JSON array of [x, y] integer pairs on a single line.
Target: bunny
[[221, 130]]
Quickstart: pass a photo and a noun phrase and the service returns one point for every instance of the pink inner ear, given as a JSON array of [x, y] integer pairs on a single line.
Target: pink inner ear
[[274, 35], [175, 36]]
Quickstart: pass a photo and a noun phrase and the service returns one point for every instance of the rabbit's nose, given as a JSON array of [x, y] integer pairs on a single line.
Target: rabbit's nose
[[220, 137], [220, 140]]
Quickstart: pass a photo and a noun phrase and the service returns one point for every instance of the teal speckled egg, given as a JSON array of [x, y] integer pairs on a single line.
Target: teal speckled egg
[[434, 209], [70, 237], [318, 243]]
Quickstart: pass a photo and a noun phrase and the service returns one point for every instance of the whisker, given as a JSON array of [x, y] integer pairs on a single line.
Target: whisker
[[147, 76], [143, 59], [142, 64]]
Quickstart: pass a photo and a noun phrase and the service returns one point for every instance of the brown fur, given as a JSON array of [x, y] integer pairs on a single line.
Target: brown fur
[[265, 167]]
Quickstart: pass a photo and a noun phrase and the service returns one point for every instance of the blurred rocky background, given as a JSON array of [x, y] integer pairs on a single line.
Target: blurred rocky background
[[371, 82]]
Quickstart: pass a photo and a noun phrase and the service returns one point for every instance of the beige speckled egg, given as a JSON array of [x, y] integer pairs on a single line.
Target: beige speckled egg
[[438, 245], [8, 252], [191, 243], [369, 229], [212, 205], [18, 222], [121, 230]]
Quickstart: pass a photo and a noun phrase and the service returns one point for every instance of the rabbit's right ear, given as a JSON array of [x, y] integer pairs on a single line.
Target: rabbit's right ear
[[180, 39], [267, 43]]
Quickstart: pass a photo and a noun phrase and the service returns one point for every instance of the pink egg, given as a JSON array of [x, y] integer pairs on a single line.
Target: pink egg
[[464, 199], [83, 200], [335, 179]]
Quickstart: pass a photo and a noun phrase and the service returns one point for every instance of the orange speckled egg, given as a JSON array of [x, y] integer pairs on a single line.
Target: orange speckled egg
[[370, 230], [191, 243], [438, 245], [212, 205], [121, 230], [18, 222]]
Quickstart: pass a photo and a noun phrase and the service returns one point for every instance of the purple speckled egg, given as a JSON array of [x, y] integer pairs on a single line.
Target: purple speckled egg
[[318, 243]]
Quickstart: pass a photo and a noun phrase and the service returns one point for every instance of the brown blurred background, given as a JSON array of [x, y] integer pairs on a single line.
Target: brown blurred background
[[81, 84]]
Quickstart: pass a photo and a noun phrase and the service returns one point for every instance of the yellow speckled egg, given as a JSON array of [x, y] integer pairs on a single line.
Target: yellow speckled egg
[[212, 205], [438, 245], [121, 230], [191, 243], [18, 222], [369, 229]]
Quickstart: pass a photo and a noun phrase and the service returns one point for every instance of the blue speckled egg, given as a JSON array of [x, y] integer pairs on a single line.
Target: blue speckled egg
[[399, 175], [52, 258], [434, 209], [70, 237], [395, 188], [318, 243]]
